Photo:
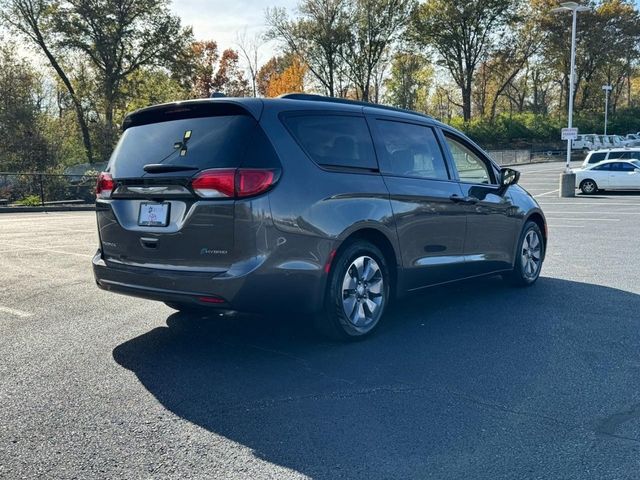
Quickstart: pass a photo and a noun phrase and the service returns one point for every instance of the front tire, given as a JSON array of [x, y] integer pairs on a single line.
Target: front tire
[[357, 293], [529, 257], [588, 187]]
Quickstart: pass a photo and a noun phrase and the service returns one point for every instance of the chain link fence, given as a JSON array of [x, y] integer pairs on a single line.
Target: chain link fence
[[46, 189]]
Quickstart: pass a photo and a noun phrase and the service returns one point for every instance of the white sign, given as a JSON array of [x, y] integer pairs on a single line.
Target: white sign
[[569, 134]]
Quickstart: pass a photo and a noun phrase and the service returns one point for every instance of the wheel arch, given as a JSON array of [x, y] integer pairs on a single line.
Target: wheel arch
[[539, 220], [381, 240]]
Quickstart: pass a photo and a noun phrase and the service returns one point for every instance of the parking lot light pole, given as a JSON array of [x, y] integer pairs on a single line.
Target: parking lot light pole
[[607, 89], [567, 179]]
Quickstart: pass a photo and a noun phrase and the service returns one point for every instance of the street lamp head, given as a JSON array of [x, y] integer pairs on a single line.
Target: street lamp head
[[571, 7]]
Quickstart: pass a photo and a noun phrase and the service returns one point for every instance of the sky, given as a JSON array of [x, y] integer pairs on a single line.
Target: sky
[[223, 20]]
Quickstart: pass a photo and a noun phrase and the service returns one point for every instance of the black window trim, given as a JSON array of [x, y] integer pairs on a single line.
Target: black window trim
[[282, 116]]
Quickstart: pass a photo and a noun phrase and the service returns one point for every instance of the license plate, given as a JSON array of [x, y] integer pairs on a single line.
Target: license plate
[[153, 215]]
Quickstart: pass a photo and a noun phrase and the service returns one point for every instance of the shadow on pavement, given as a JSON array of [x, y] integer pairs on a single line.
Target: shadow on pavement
[[467, 381]]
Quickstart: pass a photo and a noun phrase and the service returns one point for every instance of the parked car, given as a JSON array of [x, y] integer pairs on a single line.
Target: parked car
[[586, 142], [304, 203], [611, 154], [634, 137], [609, 175]]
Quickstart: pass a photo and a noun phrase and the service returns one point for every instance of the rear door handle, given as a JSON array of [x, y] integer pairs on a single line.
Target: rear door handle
[[464, 200]]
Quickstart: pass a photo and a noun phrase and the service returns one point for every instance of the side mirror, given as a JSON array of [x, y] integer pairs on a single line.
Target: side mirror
[[509, 176]]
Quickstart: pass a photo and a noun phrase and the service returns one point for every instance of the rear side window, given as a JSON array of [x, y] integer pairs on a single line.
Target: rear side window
[[622, 167], [597, 157], [334, 140], [225, 141], [411, 150]]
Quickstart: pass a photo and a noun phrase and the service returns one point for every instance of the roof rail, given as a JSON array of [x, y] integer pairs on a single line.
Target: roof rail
[[322, 98]]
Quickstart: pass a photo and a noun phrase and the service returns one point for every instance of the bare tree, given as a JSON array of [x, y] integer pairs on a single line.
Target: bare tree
[[249, 50]]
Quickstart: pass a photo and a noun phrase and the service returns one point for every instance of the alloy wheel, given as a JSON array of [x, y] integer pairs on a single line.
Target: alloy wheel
[[363, 292], [531, 255]]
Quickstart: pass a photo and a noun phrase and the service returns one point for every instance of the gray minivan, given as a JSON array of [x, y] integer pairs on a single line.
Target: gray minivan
[[305, 203]]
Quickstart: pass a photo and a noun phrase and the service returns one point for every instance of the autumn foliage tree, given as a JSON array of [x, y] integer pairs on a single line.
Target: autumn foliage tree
[[290, 78]]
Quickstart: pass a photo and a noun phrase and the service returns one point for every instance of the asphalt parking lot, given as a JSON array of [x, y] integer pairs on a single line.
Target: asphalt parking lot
[[477, 380]]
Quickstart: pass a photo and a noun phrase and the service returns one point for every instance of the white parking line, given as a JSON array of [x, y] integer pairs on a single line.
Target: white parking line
[[567, 226], [599, 204], [48, 250], [14, 312], [574, 219], [546, 193], [564, 212]]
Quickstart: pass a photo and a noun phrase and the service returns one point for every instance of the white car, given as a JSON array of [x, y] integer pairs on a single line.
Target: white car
[[597, 156], [609, 175], [587, 142]]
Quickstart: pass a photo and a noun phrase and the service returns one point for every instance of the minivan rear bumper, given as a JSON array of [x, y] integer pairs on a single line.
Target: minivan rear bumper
[[265, 288]]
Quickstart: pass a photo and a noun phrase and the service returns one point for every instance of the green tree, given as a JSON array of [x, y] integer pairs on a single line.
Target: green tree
[[22, 144], [461, 32], [374, 25], [410, 80], [35, 20], [318, 35], [116, 37]]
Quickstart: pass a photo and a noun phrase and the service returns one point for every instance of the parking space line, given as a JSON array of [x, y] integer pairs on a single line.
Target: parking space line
[[567, 226], [14, 312], [574, 219], [49, 250], [547, 193], [602, 204], [564, 212]]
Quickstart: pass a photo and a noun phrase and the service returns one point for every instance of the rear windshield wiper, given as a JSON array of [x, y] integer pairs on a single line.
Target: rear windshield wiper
[[162, 168]]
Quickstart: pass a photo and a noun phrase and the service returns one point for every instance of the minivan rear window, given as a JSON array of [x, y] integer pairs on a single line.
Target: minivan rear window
[[334, 140], [597, 157], [224, 141]]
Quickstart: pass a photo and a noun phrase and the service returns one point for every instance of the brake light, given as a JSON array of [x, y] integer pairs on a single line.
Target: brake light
[[104, 185], [233, 183], [215, 183], [253, 181]]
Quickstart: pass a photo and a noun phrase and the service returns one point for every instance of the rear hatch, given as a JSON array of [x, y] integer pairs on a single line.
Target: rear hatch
[[168, 197]]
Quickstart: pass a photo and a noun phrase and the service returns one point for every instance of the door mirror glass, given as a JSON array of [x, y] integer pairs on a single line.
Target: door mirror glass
[[509, 176]]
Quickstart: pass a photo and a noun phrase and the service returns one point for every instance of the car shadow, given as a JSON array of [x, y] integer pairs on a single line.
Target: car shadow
[[455, 376]]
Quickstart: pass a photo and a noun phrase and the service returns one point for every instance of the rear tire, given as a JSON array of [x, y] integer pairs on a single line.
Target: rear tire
[[357, 294], [529, 257], [588, 187]]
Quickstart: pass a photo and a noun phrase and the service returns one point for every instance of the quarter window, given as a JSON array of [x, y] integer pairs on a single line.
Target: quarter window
[[411, 150], [334, 140], [471, 168]]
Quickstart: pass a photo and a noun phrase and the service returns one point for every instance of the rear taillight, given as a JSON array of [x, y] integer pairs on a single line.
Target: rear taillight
[[105, 185], [215, 183], [233, 183]]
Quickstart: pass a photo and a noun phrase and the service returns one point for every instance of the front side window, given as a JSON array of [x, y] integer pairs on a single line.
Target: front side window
[[599, 168], [334, 140], [471, 167], [411, 150]]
